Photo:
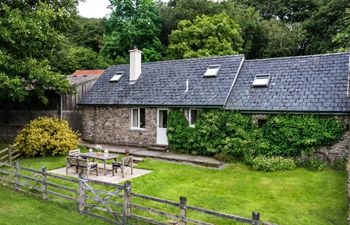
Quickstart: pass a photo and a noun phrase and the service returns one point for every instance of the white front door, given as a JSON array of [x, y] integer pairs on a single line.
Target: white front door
[[162, 123]]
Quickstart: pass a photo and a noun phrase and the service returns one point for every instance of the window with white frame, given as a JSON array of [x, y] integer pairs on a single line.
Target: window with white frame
[[192, 116], [138, 118], [212, 71]]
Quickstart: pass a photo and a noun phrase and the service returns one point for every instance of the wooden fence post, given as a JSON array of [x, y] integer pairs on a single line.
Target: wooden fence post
[[9, 153], [16, 165], [183, 202], [255, 218], [44, 183], [127, 201], [82, 198]]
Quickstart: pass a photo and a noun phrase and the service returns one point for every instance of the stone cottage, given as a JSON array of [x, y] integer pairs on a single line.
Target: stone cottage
[[129, 104]]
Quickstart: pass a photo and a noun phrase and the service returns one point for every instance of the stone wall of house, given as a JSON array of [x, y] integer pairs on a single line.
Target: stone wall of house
[[112, 125], [338, 151]]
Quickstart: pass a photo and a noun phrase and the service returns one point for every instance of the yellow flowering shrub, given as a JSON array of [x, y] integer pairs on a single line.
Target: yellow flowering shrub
[[46, 136]]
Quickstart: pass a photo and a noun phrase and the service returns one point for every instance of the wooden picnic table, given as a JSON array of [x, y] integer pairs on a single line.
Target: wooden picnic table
[[100, 156]]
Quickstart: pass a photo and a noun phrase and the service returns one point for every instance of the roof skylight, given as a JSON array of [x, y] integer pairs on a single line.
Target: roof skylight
[[116, 77], [212, 71], [261, 80]]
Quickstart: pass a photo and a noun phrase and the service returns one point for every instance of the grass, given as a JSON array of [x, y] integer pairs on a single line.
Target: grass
[[298, 197], [293, 197], [18, 209]]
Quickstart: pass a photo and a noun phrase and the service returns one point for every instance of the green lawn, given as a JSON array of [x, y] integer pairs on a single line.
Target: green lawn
[[293, 197], [18, 209]]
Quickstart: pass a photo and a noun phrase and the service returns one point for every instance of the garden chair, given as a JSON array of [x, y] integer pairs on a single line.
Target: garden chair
[[85, 166], [72, 161], [75, 152], [125, 162]]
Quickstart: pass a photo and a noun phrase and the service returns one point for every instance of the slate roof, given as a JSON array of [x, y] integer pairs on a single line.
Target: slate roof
[[316, 83], [164, 84]]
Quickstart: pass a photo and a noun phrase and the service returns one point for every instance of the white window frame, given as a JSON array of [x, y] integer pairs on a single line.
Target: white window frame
[[138, 119], [212, 71], [190, 117], [261, 80]]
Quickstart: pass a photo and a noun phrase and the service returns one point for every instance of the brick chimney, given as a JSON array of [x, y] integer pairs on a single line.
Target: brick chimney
[[135, 64]]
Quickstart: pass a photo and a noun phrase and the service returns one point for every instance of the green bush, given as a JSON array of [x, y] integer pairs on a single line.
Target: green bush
[[270, 164], [292, 135], [233, 134], [46, 136]]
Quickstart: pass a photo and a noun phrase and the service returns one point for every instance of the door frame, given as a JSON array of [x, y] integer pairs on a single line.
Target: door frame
[[157, 126]]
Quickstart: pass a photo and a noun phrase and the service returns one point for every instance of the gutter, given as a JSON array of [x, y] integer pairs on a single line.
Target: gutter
[[234, 81]]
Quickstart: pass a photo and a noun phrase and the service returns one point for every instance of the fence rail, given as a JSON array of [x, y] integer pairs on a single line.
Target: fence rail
[[113, 203], [9, 154]]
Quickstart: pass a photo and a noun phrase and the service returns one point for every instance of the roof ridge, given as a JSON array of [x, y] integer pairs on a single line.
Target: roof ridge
[[299, 56], [189, 59]]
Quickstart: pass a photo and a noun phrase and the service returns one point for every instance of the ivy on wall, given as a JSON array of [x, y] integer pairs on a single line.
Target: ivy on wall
[[234, 134]]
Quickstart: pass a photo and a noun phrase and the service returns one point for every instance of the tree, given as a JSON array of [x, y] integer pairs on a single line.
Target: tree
[[87, 32], [206, 36], [324, 24], [342, 39], [30, 37], [174, 11], [285, 10], [75, 58], [132, 23], [281, 39], [250, 22]]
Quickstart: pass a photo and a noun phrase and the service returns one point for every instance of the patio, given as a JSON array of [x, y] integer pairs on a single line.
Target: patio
[[117, 178]]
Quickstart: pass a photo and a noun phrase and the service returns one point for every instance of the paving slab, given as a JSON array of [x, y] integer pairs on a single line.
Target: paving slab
[[116, 179], [171, 156]]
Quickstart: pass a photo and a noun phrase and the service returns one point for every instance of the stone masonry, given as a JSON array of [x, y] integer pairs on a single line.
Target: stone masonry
[[337, 151], [112, 125]]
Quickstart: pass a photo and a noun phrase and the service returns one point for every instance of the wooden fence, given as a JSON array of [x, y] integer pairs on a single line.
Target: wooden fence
[[113, 203], [9, 154]]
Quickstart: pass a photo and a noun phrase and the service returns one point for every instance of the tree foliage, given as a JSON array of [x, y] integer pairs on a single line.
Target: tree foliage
[[206, 36], [281, 39], [87, 32], [342, 39], [31, 34], [132, 23]]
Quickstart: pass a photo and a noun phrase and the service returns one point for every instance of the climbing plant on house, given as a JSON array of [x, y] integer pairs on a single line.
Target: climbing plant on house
[[234, 134]]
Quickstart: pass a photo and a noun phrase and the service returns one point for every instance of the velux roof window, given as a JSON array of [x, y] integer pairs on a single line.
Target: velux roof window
[[116, 77], [261, 80], [212, 71]]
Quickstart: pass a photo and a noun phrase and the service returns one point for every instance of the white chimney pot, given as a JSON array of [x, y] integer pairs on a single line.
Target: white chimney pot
[[135, 64]]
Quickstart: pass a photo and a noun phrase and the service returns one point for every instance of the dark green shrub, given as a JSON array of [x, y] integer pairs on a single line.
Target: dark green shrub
[[233, 134], [273, 163], [46, 136], [292, 135]]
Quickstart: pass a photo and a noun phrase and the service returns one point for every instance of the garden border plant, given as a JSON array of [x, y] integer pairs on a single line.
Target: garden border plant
[[233, 135], [46, 136]]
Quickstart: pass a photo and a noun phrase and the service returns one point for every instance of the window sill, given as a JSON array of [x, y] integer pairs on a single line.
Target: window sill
[[138, 129]]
